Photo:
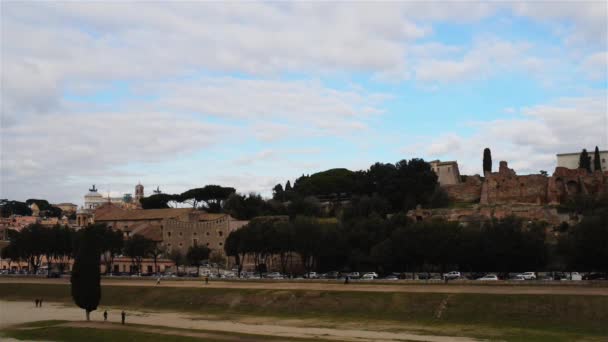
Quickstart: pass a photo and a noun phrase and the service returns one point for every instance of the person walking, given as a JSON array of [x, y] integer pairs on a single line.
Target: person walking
[[207, 280], [346, 280], [105, 315], [36, 302], [123, 315], [158, 281]]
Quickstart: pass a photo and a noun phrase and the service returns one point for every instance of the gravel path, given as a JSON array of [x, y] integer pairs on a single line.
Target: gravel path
[[22, 312]]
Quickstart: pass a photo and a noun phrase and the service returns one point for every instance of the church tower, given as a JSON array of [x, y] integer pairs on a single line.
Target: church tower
[[139, 192]]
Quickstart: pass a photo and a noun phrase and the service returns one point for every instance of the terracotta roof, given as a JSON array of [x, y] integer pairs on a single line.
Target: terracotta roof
[[147, 230], [141, 214], [210, 217]]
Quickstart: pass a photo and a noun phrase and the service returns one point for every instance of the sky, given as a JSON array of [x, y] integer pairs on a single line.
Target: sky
[[249, 94]]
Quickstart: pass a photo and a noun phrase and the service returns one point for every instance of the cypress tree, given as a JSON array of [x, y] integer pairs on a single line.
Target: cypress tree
[[86, 288], [584, 161], [487, 160], [597, 163]]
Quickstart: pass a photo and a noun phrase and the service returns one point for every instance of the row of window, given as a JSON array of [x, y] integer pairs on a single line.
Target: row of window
[[195, 243], [219, 233]]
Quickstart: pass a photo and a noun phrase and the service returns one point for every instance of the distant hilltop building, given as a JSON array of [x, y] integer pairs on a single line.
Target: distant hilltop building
[[93, 200], [571, 160], [447, 172]]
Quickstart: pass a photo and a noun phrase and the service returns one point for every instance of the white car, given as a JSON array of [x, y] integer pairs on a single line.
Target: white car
[[489, 277], [311, 275], [372, 275], [528, 275], [274, 275], [451, 275]]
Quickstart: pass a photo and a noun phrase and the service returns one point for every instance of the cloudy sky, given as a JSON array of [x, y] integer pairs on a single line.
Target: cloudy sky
[[179, 95]]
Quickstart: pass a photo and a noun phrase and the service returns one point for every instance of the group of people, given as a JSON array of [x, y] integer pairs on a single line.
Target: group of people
[[123, 316], [38, 302]]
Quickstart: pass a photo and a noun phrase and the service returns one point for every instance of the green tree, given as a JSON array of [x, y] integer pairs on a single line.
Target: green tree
[[196, 255], [158, 201], [584, 162], [278, 193], [137, 247], [85, 279], [8, 208], [233, 248], [217, 258], [487, 160], [155, 252], [178, 259], [210, 196], [597, 162]]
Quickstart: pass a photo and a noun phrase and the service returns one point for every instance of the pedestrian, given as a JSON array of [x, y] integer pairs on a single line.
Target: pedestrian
[[105, 315], [206, 280], [158, 281], [346, 280], [40, 302], [123, 315], [36, 302]]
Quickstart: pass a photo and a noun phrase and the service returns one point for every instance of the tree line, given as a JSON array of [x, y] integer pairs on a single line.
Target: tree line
[[398, 244], [58, 245]]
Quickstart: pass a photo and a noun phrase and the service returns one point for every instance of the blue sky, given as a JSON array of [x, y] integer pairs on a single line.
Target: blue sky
[[179, 95]]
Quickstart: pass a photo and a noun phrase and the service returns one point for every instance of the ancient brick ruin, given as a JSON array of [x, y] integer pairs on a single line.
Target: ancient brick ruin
[[505, 193]]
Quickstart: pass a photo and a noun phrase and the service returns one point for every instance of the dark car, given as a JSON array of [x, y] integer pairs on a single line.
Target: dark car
[[595, 276]]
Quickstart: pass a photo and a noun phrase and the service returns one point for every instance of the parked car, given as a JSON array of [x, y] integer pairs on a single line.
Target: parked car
[[368, 276], [331, 275], [311, 275], [517, 277], [528, 275], [488, 277], [373, 275], [274, 275], [451, 275], [391, 277], [575, 276], [595, 276], [354, 275]]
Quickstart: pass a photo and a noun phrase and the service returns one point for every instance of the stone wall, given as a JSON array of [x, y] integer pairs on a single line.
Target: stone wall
[[468, 191], [477, 213]]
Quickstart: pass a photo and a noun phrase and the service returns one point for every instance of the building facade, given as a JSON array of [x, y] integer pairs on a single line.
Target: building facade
[[447, 172], [571, 160], [173, 228]]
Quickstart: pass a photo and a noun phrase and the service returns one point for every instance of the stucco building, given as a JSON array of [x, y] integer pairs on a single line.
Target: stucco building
[[447, 172], [571, 160]]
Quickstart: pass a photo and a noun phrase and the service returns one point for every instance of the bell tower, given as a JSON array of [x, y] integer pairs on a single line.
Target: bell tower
[[139, 192]]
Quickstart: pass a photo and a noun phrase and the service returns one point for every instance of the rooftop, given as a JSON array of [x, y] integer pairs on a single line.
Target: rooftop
[[141, 214], [590, 152]]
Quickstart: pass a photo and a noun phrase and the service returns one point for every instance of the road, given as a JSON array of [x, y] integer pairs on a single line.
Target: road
[[494, 288]]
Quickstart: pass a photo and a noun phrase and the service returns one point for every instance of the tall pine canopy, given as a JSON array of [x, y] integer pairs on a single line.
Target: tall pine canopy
[[597, 163], [584, 162], [487, 160], [86, 288]]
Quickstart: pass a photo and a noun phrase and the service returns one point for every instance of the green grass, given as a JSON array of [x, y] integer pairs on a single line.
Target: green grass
[[542, 317], [55, 331]]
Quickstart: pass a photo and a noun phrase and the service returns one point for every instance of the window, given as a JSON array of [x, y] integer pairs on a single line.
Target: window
[[180, 234], [207, 234], [194, 233], [195, 241], [207, 244], [221, 244], [449, 169], [180, 244], [168, 234], [220, 233]]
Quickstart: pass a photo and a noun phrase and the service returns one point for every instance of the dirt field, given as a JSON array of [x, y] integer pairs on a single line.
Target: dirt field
[[498, 288], [22, 312]]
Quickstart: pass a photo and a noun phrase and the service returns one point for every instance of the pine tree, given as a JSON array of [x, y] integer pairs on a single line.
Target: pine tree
[[288, 186], [597, 163], [487, 160], [584, 161], [86, 288]]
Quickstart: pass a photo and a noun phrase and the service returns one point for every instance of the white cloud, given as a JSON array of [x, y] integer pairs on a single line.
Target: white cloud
[[595, 66], [529, 143]]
